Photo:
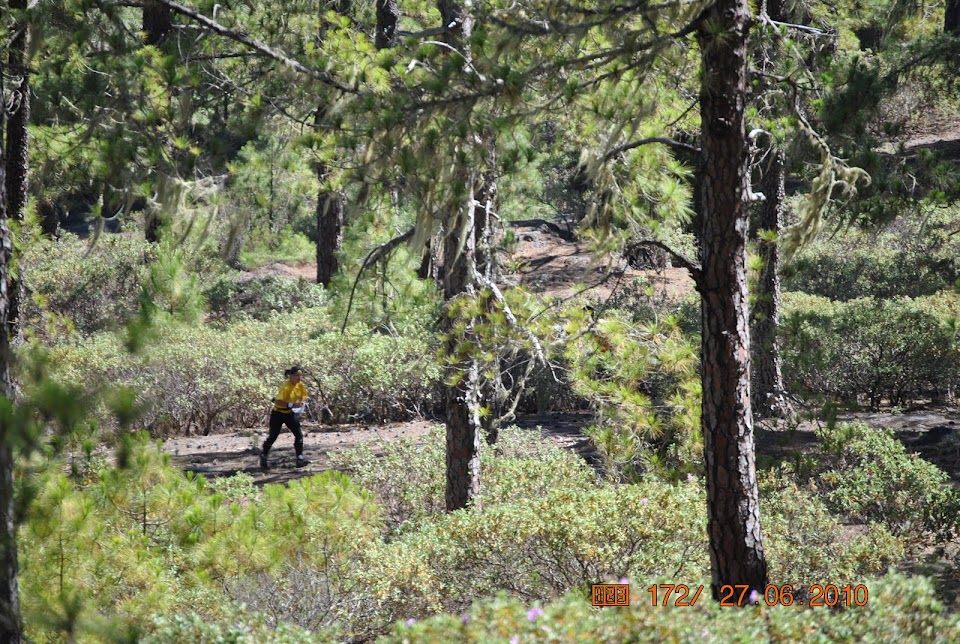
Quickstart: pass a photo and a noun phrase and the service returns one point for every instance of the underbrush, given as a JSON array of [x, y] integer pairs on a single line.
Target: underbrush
[[323, 554], [202, 378], [865, 473], [898, 609], [871, 350]]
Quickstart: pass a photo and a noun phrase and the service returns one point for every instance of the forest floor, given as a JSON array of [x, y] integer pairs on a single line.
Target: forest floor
[[548, 262], [932, 432]]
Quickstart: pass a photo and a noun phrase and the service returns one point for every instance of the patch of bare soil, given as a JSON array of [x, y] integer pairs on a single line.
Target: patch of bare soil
[[231, 452], [552, 265], [302, 271]]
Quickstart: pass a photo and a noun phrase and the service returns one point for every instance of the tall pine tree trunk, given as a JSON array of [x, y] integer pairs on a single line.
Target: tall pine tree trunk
[[487, 235], [157, 23], [330, 217], [767, 385], [10, 626], [388, 17], [462, 399], [951, 17], [733, 507], [459, 259], [330, 203], [17, 142]]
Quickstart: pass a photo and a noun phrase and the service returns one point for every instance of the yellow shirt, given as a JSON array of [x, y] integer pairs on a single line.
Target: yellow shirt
[[289, 393]]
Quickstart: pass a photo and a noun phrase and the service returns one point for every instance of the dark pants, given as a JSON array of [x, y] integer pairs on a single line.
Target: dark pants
[[277, 421]]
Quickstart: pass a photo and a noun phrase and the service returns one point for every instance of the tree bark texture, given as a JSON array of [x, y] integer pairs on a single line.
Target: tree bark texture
[[487, 235], [463, 405], [330, 219], [733, 508], [767, 383], [17, 153], [459, 259], [388, 17], [157, 23], [10, 626], [951, 17]]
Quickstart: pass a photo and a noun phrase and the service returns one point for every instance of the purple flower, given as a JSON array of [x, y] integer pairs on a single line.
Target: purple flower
[[644, 501], [464, 619], [534, 613], [704, 633], [411, 622], [691, 478], [623, 580], [754, 597], [515, 639]]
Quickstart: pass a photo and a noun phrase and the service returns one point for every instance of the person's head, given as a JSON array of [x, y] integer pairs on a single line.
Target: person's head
[[294, 374]]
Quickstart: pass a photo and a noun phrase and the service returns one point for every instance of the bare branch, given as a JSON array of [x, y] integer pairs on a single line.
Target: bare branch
[[692, 267], [676, 145], [376, 255]]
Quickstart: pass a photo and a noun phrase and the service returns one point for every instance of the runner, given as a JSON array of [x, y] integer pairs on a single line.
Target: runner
[[286, 411]]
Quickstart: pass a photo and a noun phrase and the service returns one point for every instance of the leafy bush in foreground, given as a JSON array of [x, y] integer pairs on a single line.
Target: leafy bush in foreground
[[898, 610], [126, 543], [149, 539], [554, 530]]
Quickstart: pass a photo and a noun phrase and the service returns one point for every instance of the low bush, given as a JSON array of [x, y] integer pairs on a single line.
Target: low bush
[[204, 378], [545, 528], [876, 350], [147, 539], [73, 287], [897, 609], [867, 473], [870, 271], [320, 553], [260, 297]]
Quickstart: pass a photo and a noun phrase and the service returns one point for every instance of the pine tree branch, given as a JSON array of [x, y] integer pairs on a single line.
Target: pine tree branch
[[243, 39], [376, 255], [692, 267], [676, 145]]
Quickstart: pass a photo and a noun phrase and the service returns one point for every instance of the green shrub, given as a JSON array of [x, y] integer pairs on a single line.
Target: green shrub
[[544, 528], [869, 474], [202, 378], [408, 475], [894, 350], [150, 539], [870, 272], [285, 246], [71, 290], [898, 609], [807, 545], [259, 297]]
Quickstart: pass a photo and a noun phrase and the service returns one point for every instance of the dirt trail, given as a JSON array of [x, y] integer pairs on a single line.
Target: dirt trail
[[933, 433], [228, 453]]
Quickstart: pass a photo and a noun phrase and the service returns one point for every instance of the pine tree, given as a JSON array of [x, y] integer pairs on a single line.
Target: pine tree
[[733, 503]]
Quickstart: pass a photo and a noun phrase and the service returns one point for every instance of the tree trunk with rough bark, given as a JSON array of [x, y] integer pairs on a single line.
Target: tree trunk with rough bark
[[388, 17], [487, 235], [18, 151], [767, 384], [463, 404], [10, 625], [157, 23], [330, 218], [951, 17], [733, 507], [459, 260]]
